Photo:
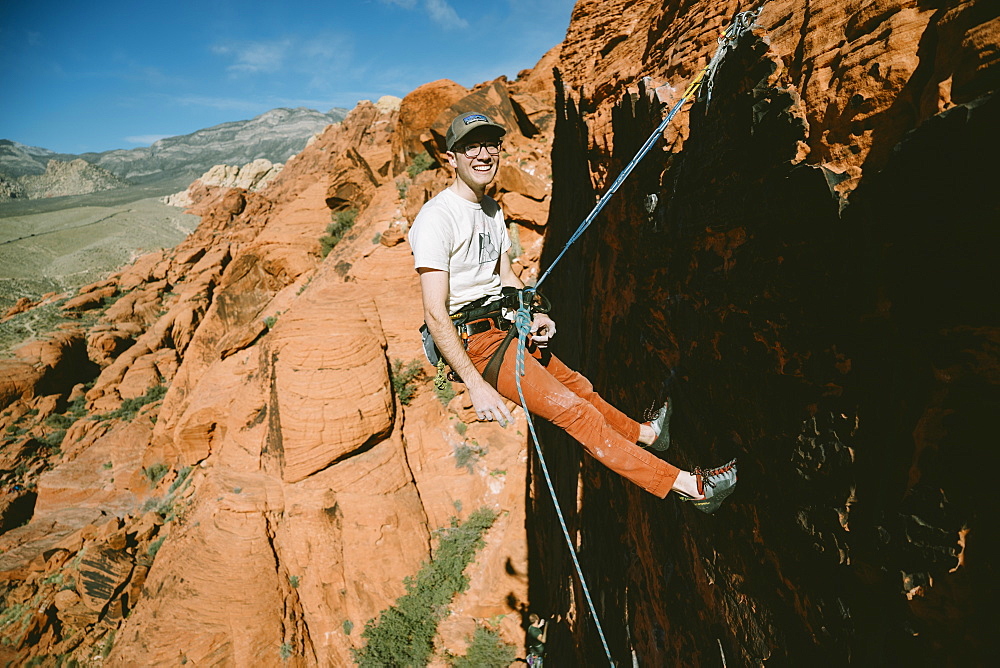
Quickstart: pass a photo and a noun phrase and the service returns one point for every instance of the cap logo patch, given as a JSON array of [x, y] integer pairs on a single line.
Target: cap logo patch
[[475, 118]]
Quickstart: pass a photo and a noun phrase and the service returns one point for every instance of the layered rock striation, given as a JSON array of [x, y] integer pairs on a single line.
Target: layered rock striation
[[243, 404]]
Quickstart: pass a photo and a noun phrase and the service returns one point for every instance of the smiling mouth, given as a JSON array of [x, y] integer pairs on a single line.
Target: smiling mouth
[[482, 168]]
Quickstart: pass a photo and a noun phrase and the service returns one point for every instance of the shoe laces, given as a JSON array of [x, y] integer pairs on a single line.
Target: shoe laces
[[705, 476]]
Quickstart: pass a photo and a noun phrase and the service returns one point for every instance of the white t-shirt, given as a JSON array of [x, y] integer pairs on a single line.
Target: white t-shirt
[[463, 238]]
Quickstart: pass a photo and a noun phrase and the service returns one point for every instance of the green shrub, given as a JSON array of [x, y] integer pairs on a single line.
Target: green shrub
[[181, 477], [294, 581], [402, 186], [444, 392], [14, 613], [155, 546], [486, 650], [348, 626], [59, 421], [405, 379], [55, 439], [55, 579], [130, 407], [109, 642], [155, 473], [403, 634], [78, 407], [421, 162], [285, 651], [467, 454], [342, 223]]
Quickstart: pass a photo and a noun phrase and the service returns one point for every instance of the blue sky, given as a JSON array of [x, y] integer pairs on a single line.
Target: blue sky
[[92, 76]]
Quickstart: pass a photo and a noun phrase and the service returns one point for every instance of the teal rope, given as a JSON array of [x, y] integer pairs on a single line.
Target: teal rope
[[523, 323], [742, 23]]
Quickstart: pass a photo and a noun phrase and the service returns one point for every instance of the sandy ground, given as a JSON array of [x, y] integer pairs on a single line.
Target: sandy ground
[[61, 250]]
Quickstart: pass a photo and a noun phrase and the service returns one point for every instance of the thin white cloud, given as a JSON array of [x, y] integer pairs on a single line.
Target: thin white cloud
[[443, 14], [321, 58], [145, 139], [255, 57], [439, 11]]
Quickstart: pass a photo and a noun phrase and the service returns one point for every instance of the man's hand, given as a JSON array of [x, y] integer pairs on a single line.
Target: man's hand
[[488, 403], [543, 328]]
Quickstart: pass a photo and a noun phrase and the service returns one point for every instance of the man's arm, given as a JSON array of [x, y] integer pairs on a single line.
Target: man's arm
[[507, 275], [487, 401]]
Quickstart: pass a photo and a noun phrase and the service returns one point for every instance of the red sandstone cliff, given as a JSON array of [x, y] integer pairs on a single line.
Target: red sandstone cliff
[[811, 252], [214, 462]]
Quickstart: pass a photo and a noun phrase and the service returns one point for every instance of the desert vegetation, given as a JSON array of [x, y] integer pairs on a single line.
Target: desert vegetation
[[403, 634], [342, 223]]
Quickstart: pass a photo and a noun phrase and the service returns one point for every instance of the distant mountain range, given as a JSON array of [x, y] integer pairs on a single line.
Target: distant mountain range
[[275, 135]]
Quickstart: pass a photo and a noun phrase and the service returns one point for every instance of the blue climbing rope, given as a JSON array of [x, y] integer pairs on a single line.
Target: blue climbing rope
[[523, 323], [742, 22]]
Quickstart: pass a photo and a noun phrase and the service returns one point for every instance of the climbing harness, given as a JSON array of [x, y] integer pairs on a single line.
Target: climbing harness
[[741, 24], [475, 318]]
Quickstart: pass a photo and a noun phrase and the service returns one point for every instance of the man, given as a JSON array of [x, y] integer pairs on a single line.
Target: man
[[460, 245], [537, 635]]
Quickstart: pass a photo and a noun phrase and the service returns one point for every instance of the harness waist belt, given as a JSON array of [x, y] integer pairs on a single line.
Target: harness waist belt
[[483, 325]]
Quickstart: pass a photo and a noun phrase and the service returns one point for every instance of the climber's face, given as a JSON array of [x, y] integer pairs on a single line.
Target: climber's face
[[476, 160]]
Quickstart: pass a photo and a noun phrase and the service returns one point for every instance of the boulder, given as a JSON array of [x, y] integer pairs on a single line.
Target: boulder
[[331, 397], [513, 179], [492, 99], [20, 306], [353, 182], [417, 112], [90, 300], [517, 207], [140, 377]]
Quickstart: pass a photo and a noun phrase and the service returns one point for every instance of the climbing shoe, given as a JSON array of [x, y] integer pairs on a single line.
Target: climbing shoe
[[715, 485], [661, 427]]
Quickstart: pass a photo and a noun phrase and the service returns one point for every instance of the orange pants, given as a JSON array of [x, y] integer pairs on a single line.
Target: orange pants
[[567, 399]]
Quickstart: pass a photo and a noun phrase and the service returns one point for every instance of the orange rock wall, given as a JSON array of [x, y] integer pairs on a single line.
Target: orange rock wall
[[238, 482]]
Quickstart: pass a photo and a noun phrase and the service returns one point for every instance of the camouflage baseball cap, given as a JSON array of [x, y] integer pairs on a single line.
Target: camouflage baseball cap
[[466, 123]]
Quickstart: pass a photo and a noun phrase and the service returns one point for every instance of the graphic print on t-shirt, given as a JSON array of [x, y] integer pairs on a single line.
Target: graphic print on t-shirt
[[488, 252]]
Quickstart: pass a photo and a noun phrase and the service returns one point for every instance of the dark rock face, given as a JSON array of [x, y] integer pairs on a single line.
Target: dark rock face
[[845, 350]]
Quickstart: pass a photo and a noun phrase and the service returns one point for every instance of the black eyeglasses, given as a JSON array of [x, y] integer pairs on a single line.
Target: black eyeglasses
[[473, 150]]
